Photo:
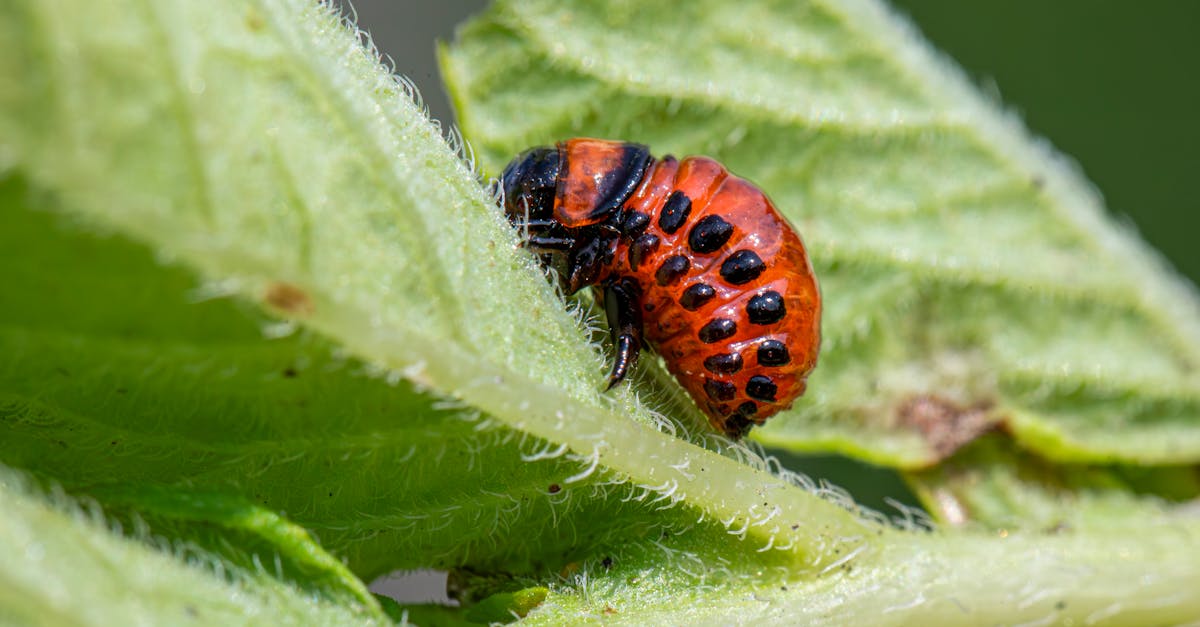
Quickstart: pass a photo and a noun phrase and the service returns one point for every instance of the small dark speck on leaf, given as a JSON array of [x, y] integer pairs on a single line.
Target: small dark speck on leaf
[[554, 488], [290, 372], [607, 563], [289, 299]]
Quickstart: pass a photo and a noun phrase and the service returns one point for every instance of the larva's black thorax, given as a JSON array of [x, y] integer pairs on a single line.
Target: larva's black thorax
[[568, 200]]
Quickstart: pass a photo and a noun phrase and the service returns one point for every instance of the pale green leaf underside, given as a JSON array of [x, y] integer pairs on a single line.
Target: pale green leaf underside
[[264, 146], [1063, 580], [150, 403], [956, 256], [63, 566], [993, 483]]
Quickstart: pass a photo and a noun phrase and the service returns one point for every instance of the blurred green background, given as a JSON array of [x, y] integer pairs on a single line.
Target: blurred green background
[[1113, 85]]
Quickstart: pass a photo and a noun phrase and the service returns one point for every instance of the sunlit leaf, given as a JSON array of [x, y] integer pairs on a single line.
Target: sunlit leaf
[[970, 276], [261, 147]]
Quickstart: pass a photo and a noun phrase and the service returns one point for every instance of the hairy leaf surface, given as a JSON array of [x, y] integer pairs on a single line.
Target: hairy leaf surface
[[970, 276], [260, 145]]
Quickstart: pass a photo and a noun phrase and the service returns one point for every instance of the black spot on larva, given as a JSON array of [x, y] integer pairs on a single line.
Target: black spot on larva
[[709, 234], [773, 353], [762, 388], [717, 330], [747, 409], [641, 248], [695, 296], [738, 424], [674, 212], [634, 223], [742, 267], [766, 308], [725, 363], [719, 390], [672, 269]]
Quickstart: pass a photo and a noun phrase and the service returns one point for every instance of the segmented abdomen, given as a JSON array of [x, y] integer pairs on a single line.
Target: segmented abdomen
[[729, 298]]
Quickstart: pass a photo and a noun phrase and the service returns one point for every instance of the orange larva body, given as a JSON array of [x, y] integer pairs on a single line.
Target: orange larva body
[[696, 262]]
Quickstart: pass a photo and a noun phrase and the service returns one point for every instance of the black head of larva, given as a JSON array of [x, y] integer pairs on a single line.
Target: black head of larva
[[529, 184]]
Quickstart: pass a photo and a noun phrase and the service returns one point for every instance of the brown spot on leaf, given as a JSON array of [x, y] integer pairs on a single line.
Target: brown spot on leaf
[[945, 425], [289, 299]]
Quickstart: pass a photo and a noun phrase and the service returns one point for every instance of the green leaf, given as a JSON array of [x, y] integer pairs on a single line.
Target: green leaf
[[179, 413], [63, 565], [970, 275], [1134, 576], [260, 145], [504, 607], [991, 482], [299, 173], [282, 162]]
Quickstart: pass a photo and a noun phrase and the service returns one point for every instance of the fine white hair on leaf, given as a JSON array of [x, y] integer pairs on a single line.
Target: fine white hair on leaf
[[911, 518], [835, 494], [593, 462], [775, 511], [668, 494], [496, 189], [388, 62], [845, 558], [740, 533], [465, 151], [682, 469], [546, 453], [770, 543]]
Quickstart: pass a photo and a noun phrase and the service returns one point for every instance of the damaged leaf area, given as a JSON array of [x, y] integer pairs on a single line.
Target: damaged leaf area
[[970, 276], [993, 483]]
